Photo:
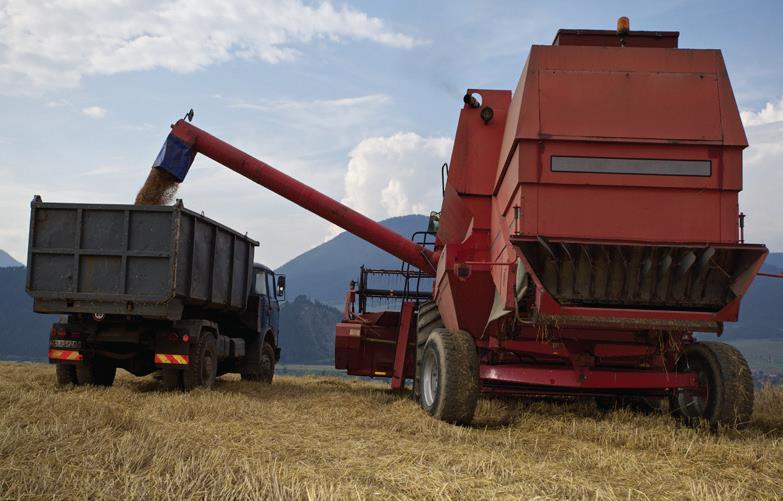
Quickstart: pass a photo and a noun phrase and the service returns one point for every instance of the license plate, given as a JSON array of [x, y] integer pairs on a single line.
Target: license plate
[[65, 344]]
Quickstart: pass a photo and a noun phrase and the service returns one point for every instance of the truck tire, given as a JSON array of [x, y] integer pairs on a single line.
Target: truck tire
[[201, 372], [172, 379], [259, 363], [427, 320], [96, 372], [449, 376], [66, 374], [726, 395]]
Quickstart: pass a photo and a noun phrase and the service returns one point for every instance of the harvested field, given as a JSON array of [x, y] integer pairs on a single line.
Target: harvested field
[[324, 438]]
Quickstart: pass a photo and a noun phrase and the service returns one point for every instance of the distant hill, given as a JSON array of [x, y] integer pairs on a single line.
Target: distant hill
[[307, 332], [6, 261], [23, 334], [324, 273], [761, 312]]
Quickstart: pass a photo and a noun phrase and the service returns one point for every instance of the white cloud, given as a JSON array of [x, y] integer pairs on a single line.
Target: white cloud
[[314, 105], [15, 197], [772, 112], [94, 112], [46, 45], [396, 175], [762, 184], [58, 103]]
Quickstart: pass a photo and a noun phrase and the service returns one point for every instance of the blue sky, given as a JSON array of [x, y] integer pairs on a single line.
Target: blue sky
[[358, 99]]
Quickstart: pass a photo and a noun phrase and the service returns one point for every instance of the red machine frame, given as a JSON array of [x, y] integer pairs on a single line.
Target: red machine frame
[[589, 226]]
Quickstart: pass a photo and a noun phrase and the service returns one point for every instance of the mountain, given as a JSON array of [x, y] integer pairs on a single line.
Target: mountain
[[318, 280], [761, 312], [307, 332], [774, 260], [6, 261], [23, 334], [325, 272]]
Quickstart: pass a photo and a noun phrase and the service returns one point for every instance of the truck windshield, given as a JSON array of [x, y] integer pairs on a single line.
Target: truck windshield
[[260, 287]]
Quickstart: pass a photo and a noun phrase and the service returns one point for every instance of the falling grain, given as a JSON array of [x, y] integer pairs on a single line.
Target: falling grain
[[159, 188]]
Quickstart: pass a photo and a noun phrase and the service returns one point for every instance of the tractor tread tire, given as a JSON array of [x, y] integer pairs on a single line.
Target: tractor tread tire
[[731, 402], [427, 319], [193, 376], [66, 374], [458, 381]]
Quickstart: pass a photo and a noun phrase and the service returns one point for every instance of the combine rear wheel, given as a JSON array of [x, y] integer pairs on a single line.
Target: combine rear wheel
[[725, 396], [66, 374], [202, 369], [449, 376], [97, 372], [427, 320]]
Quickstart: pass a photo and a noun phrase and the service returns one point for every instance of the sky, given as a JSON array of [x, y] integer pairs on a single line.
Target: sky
[[358, 99]]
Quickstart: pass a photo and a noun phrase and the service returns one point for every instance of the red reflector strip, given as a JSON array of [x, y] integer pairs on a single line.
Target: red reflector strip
[[64, 355], [161, 358]]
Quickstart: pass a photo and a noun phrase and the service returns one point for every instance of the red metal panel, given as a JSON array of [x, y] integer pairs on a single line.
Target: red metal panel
[[585, 378], [398, 373], [477, 144], [606, 38], [641, 214], [629, 105]]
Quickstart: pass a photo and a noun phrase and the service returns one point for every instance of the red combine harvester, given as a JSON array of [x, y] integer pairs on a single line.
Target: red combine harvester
[[589, 226]]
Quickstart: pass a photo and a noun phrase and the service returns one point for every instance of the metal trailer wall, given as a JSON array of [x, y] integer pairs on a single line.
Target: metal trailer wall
[[136, 260]]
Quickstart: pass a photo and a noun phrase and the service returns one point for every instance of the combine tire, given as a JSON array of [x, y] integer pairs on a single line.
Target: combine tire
[[725, 397], [172, 379], [427, 320], [66, 374], [97, 372], [449, 376], [201, 372]]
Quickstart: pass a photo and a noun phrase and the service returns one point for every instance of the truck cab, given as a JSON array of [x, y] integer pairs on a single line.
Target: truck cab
[[265, 297]]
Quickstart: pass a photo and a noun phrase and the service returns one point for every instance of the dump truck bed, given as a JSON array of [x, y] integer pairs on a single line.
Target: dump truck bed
[[149, 261]]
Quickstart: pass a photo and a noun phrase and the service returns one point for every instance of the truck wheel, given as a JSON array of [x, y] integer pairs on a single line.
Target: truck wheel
[[449, 376], [97, 372], [260, 363], [66, 374], [427, 320], [202, 369], [725, 396], [172, 379]]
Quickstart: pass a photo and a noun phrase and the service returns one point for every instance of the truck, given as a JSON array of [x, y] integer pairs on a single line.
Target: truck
[[589, 230], [151, 288]]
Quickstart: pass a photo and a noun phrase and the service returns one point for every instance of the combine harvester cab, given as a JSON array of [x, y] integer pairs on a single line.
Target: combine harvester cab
[[589, 226]]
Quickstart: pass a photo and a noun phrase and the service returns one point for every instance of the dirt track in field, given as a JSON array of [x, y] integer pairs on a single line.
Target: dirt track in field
[[329, 438]]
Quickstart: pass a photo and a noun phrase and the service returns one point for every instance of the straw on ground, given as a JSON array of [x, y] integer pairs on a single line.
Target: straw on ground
[[328, 438]]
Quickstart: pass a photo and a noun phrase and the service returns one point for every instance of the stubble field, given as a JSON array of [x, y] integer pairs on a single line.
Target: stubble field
[[331, 438]]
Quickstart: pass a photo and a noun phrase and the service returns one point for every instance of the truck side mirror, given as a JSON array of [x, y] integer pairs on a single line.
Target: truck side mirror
[[434, 223], [281, 286]]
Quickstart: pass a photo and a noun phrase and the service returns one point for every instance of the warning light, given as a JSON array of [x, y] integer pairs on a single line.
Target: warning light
[[623, 25]]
